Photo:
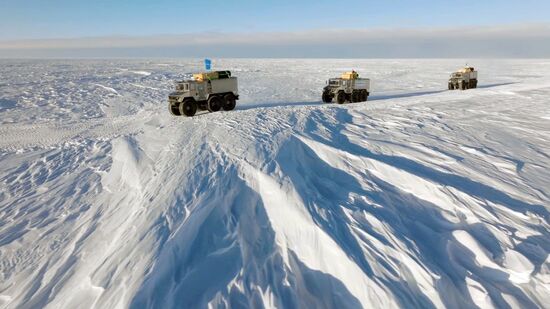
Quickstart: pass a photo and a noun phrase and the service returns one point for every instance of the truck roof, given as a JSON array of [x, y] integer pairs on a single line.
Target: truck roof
[[467, 70], [340, 78], [204, 76]]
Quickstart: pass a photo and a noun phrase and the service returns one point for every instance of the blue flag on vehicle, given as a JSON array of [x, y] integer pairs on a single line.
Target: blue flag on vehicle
[[208, 64]]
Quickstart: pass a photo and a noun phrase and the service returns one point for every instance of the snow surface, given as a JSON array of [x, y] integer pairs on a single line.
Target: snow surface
[[419, 198]]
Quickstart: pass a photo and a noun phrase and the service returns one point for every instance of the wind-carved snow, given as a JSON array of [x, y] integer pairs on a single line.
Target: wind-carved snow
[[419, 198]]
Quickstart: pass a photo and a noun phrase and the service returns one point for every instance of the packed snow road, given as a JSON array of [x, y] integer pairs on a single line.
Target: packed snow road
[[418, 198]]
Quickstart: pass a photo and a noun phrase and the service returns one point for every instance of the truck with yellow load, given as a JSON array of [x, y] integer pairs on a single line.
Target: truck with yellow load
[[347, 88], [463, 79], [210, 91]]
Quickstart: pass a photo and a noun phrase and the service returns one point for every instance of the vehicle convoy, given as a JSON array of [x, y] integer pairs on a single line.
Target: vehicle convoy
[[210, 91], [463, 79], [347, 88]]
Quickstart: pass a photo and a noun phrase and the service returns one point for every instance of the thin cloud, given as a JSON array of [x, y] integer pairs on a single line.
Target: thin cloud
[[519, 40]]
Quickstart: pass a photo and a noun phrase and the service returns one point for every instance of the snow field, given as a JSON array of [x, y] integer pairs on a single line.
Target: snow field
[[418, 198]]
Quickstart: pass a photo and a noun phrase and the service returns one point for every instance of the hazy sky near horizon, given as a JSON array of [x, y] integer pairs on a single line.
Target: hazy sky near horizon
[[23, 23]]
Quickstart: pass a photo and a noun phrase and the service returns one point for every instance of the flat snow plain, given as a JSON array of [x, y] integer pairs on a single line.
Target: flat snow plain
[[419, 198]]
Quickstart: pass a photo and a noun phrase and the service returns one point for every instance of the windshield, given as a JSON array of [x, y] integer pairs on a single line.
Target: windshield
[[334, 82], [182, 87]]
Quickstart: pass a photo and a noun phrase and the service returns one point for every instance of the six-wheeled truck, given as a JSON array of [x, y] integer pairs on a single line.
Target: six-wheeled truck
[[463, 79], [210, 91], [348, 88]]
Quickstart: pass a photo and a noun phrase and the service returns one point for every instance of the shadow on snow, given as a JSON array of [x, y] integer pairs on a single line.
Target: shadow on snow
[[376, 97]]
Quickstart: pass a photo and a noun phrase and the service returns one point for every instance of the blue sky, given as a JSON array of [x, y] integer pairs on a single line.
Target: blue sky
[[39, 19], [283, 28]]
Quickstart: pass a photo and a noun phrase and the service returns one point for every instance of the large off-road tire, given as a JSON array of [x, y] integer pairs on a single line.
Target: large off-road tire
[[355, 96], [451, 86], [341, 97], [229, 102], [463, 85], [327, 98], [214, 104], [173, 109], [364, 95], [188, 108]]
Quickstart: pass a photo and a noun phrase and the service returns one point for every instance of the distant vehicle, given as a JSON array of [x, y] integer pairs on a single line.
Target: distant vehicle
[[463, 79], [347, 88], [210, 91]]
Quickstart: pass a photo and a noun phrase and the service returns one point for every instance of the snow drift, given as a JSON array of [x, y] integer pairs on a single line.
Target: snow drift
[[418, 198]]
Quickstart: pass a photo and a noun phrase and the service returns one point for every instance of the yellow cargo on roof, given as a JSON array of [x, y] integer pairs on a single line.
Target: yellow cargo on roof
[[205, 76], [350, 75], [467, 70]]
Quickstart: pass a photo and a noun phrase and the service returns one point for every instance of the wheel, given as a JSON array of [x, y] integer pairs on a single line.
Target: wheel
[[450, 86], [214, 104], [364, 95], [475, 83], [174, 110], [340, 97], [188, 108], [327, 98], [356, 96], [229, 102], [463, 85]]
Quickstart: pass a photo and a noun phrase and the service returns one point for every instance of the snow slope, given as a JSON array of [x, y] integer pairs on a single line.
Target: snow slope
[[419, 198]]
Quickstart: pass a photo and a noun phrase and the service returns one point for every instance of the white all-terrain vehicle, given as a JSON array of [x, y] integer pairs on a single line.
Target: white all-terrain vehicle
[[348, 88], [210, 91], [463, 79]]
